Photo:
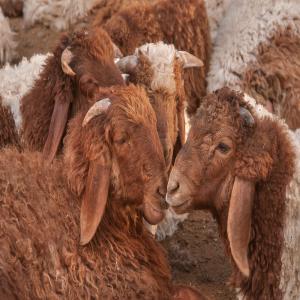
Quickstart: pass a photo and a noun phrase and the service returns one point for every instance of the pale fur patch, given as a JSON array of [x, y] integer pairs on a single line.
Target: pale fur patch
[[290, 271], [169, 224], [57, 14], [216, 10], [245, 25], [7, 42], [16, 81], [161, 57]]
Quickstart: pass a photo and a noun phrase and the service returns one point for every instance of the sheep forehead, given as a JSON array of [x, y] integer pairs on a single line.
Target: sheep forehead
[[161, 57]]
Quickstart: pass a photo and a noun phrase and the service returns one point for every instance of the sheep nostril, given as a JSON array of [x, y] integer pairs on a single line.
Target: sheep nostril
[[161, 191], [163, 203], [173, 187]]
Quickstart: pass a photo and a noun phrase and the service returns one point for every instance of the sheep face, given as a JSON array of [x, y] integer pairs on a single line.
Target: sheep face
[[83, 61], [226, 153], [117, 152], [159, 68]]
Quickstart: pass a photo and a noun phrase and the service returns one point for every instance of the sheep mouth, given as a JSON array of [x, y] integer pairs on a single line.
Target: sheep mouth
[[182, 208], [153, 213]]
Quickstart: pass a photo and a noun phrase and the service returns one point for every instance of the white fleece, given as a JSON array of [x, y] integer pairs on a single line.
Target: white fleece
[[57, 14], [216, 10], [16, 81], [245, 25], [7, 42]]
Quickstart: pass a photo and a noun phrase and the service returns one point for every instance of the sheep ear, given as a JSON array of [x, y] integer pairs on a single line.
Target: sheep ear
[[181, 133], [66, 58], [57, 127], [127, 64], [95, 196], [239, 222]]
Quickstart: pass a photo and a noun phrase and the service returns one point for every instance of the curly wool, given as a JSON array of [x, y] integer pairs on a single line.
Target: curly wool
[[57, 14], [16, 81]]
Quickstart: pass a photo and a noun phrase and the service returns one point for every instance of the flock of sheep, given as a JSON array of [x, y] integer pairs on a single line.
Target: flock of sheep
[[155, 109]]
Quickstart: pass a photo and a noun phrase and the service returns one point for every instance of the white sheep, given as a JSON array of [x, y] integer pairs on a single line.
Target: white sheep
[[16, 81], [57, 14], [257, 51], [7, 42]]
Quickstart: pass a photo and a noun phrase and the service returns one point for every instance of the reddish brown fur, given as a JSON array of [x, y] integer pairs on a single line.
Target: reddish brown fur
[[93, 64], [180, 22], [107, 8], [40, 256], [168, 106], [8, 130], [208, 175], [12, 8], [275, 77]]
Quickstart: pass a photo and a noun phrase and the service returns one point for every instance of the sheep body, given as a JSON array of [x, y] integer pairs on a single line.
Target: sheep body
[[16, 81], [290, 257], [266, 42], [7, 40], [216, 9], [57, 14], [40, 213]]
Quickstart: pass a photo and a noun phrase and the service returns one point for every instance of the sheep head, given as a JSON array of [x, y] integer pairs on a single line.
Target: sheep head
[[159, 68], [84, 61], [227, 152], [113, 153]]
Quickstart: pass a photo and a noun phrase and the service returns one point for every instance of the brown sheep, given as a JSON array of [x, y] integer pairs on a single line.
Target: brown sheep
[[12, 8], [114, 166], [8, 131], [159, 69], [243, 164], [82, 61], [180, 22]]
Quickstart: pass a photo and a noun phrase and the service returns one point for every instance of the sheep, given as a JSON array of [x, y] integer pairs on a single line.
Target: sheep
[[242, 163], [158, 67], [81, 62], [216, 10], [7, 42], [180, 22], [12, 8], [40, 255], [259, 55], [57, 14]]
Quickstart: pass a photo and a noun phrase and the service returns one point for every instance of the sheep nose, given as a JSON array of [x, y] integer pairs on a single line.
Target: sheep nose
[[161, 191], [173, 187]]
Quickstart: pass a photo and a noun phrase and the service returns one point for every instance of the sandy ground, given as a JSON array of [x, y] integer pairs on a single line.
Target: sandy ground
[[195, 251]]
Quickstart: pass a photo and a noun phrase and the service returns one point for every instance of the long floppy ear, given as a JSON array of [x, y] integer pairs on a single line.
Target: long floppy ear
[[181, 132], [60, 112], [189, 60], [239, 222], [95, 196], [57, 127]]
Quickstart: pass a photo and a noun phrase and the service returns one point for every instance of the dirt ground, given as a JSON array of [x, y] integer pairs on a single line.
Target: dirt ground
[[197, 257], [195, 251]]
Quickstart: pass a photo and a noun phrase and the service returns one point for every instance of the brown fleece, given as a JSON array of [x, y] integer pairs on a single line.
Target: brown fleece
[[183, 23], [262, 155], [8, 130], [93, 64], [40, 256], [275, 76], [12, 8]]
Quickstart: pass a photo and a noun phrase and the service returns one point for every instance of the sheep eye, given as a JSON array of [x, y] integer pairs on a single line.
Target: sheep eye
[[121, 139], [223, 148]]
